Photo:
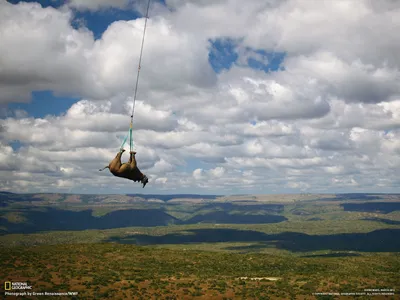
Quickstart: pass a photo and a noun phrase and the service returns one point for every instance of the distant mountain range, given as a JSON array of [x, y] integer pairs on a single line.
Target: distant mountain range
[[179, 198], [28, 213]]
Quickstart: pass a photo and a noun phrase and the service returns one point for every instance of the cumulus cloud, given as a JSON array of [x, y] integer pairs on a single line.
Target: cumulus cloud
[[328, 120], [69, 61], [11, 161], [94, 5], [56, 57], [353, 82]]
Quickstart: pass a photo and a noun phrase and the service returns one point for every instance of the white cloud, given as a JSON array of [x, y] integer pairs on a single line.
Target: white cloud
[[181, 59], [217, 172], [69, 61], [94, 5], [65, 183], [349, 181], [11, 161], [298, 185], [329, 121], [198, 174], [161, 167], [161, 180], [353, 82], [56, 57]]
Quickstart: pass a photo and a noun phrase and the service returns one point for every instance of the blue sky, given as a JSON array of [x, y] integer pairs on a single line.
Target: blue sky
[[45, 102], [98, 21], [222, 56], [303, 110]]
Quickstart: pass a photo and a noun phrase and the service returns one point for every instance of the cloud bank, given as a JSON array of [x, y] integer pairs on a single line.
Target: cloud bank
[[326, 120]]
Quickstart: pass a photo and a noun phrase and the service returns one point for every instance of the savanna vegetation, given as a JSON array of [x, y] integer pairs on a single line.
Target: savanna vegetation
[[126, 271], [172, 247]]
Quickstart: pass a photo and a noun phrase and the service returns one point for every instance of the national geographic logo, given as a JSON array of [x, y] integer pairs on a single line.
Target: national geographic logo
[[8, 286]]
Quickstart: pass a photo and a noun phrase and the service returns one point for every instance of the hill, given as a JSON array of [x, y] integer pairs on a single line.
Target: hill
[[210, 247]]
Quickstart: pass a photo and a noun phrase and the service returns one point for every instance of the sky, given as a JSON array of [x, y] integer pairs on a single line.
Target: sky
[[292, 96]]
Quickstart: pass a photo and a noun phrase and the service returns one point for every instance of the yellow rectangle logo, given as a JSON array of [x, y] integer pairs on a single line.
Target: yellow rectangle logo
[[7, 285]]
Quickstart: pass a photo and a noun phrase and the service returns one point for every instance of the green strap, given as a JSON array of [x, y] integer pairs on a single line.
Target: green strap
[[123, 143], [130, 140], [131, 143]]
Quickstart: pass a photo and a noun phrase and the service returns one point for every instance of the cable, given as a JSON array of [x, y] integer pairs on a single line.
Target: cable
[[140, 60]]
